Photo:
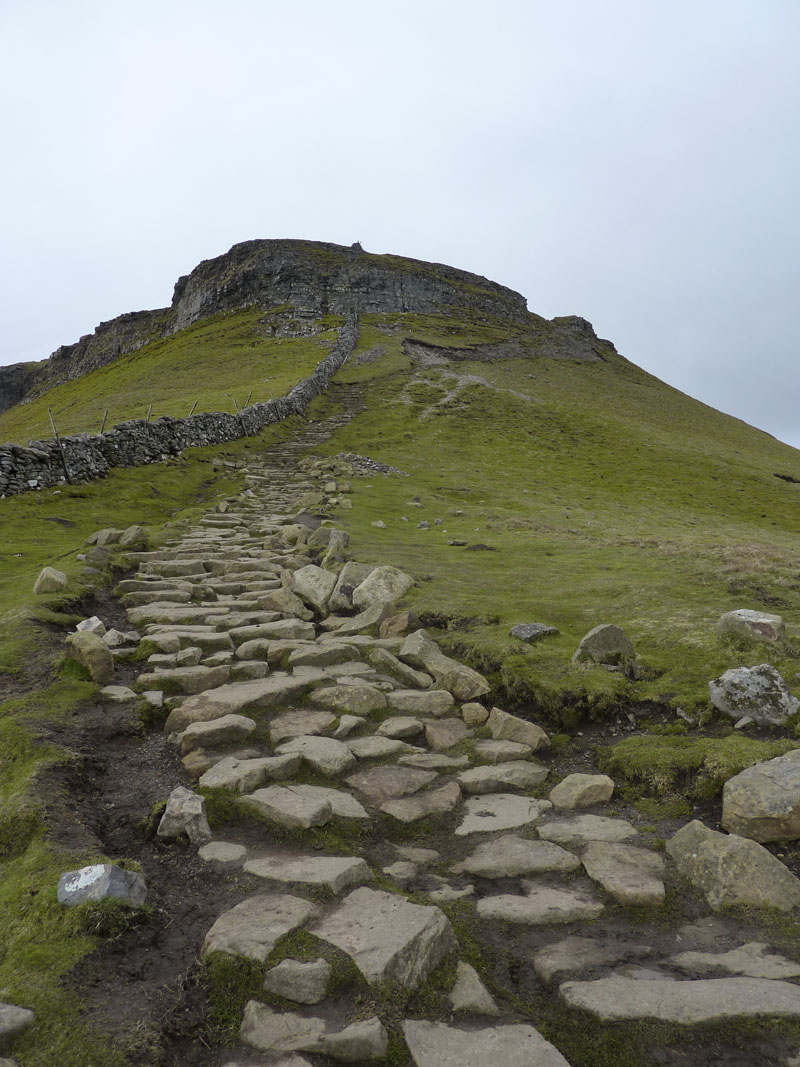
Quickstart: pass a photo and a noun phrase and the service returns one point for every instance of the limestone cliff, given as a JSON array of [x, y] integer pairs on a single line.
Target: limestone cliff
[[308, 279]]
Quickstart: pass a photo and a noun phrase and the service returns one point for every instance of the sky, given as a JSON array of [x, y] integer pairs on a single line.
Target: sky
[[633, 162]]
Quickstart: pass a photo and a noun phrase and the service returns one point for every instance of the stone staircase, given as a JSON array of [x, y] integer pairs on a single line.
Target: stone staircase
[[385, 803]]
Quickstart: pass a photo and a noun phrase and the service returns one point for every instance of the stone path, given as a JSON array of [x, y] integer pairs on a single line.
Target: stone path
[[294, 683]]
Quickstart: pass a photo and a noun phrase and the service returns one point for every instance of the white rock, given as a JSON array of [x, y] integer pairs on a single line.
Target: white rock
[[759, 692], [384, 585]]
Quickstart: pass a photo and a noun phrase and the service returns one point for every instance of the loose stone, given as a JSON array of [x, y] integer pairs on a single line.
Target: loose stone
[[439, 1045], [252, 928], [420, 805], [101, 881], [500, 811], [630, 875], [582, 791], [582, 829], [511, 856], [327, 872], [289, 806], [304, 983], [185, 813], [518, 774], [469, 994], [273, 1031]]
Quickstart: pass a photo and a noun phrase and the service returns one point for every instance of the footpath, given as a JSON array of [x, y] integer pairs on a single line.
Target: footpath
[[410, 884]]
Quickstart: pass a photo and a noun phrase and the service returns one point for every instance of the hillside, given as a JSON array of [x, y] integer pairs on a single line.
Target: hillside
[[519, 470]]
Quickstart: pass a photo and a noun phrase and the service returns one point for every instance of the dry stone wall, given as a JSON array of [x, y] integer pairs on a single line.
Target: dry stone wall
[[83, 457]]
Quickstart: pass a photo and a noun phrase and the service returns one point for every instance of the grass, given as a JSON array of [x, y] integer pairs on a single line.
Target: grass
[[214, 362], [695, 766]]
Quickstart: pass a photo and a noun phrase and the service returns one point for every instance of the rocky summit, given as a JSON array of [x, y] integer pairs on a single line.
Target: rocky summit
[[286, 778]]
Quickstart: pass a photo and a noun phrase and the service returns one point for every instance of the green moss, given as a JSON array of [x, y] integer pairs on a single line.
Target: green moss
[[697, 766], [229, 981]]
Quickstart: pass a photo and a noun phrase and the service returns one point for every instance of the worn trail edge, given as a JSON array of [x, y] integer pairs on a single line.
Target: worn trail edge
[[360, 858]]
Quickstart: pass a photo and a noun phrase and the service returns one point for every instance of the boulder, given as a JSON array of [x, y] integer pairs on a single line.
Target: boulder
[[92, 653], [185, 813], [133, 537], [387, 937], [582, 791], [314, 587], [101, 881], [350, 578], [762, 802], [506, 727], [607, 644], [94, 625], [532, 631], [732, 870], [754, 625], [383, 585], [463, 682], [337, 549], [759, 692]]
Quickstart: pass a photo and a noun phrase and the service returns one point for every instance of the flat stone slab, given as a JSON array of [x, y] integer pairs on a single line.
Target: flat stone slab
[[518, 774], [400, 726], [753, 960], [440, 1045], [446, 733], [322, 754], [434, 761], [222, 852], [299, 723], [376, 747], [253, 928], [289, 806], [575, 955], [343, 804], [500, 811], [501, 751], [541, 905], [506, 727], [269, 692], [435, 702], [387, 937], [425, 803], [703, 1000], [216, 733], [357, 699], [581, 829], [383, 783], [304, 983], [245, 775], [328, 872], [630, 875], [278, 1031], [511, 856]]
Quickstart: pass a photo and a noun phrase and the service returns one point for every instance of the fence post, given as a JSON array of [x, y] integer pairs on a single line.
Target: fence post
[[149, 410], [105, 416], [247, 402], [194, 405], [60, 446]]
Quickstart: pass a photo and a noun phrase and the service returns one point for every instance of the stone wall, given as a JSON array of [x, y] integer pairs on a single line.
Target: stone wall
[[83, 457]]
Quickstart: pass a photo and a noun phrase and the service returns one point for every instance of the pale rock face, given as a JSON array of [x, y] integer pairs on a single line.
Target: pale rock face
[[759, 692], [732, 870], [102, 881], [762, 802]]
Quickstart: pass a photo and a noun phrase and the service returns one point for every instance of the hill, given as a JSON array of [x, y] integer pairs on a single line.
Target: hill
[[521, 470]]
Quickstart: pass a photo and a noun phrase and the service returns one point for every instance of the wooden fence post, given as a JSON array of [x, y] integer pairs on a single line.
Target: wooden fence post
[[60, 446]]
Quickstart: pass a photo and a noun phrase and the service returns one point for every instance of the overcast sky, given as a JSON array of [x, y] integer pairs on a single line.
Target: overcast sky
[[632, 161]]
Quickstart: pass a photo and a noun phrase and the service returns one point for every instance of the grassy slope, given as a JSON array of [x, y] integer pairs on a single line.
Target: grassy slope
[[216, 361], [608, 496]]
